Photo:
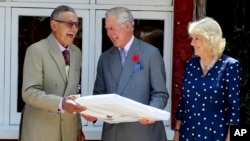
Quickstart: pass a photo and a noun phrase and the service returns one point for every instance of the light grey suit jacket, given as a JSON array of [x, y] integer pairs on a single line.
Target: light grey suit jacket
[[44, 84], [146, 85]]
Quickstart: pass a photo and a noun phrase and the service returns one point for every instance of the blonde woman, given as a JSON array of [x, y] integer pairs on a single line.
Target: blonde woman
[[210, 97]]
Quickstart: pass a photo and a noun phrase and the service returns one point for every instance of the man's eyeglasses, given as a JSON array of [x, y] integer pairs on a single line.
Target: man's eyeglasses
[[69, 24]]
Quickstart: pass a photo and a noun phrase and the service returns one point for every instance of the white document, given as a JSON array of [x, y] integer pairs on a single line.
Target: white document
[[113, 108]]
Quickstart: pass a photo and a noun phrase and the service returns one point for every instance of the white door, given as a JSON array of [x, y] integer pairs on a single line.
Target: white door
[[136, 2], [2, 77], [55, 1]]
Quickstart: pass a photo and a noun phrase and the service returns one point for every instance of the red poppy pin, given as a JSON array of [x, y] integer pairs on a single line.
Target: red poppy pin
[[135, 58]]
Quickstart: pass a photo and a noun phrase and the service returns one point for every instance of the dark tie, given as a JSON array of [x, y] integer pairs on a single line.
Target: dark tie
[[123, 56], [66, 56]]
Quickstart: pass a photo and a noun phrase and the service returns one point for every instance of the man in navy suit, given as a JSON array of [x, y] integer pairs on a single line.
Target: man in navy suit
[[142, 78]]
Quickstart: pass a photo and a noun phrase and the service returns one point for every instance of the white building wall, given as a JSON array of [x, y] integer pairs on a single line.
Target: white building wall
[[91, 11]]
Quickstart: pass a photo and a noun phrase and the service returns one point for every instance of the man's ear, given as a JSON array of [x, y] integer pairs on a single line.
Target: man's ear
[[128, 25], [53, 25]]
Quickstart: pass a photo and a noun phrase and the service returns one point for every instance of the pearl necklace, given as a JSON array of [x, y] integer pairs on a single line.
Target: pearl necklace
[[209, 66]]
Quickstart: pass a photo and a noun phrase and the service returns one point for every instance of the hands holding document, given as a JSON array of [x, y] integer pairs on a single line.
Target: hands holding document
[[89, 118], [71, 106], [113, 108], [142, 121]]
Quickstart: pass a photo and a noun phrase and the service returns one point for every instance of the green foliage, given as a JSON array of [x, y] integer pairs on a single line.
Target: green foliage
[[239, 47]]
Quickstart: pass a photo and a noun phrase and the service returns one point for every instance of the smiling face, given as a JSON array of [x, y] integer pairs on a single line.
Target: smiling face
[[118, 33], [200, 47], [65, 27]]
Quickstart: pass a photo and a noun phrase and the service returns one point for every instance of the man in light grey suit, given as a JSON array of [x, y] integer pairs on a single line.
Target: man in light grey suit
[[141, 78], [50, 83]]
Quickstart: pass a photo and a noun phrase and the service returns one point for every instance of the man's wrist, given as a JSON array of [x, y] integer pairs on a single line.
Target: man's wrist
[[60, 107]]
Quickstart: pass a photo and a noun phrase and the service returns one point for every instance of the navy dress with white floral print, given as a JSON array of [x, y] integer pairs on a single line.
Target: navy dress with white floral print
[[209, 103]]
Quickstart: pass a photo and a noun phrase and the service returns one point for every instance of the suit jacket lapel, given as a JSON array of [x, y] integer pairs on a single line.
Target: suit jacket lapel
[[72, 52], [115, 65], [57, 56], [128, 66]]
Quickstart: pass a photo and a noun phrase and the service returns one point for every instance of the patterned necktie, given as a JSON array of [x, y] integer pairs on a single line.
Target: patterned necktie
[[66, 56], [123, 56]]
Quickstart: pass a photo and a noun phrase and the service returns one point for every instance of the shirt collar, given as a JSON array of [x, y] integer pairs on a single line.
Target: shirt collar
[[61, 47], [128, 45]]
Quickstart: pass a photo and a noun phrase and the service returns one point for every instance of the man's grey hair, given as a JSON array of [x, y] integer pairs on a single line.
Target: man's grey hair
[[122, 14], [60, 9]]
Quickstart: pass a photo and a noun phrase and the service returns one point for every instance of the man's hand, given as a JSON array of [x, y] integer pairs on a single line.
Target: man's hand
[[89, 118], [146, 121], [71, 106], [80, 136]]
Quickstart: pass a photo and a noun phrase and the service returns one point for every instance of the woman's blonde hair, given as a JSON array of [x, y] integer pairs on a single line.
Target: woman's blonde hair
[[211, 32]]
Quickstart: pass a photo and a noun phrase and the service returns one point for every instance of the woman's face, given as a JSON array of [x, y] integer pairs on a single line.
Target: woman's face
[[200, 48]]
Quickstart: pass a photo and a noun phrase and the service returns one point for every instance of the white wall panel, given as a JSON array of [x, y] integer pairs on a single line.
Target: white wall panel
[[136, 2], [2, 64]]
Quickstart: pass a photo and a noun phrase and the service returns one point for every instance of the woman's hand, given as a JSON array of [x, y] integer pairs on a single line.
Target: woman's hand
[[176, 136]]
